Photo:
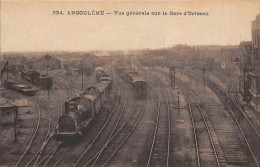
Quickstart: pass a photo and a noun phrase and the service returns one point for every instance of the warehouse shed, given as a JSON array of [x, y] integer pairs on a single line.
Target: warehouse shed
[[8, 113]]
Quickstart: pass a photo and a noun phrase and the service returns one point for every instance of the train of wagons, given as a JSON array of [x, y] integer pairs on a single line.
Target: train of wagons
[[137, 81], [36, 78], [21, 88], [82, 110]]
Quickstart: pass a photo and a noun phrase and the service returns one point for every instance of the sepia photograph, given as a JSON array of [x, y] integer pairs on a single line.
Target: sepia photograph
[[121, 83]]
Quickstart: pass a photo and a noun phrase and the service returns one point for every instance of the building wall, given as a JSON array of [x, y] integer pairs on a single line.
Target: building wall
[[47, 61], [72, 64], [8, 115], [255, 28], [255, 77]]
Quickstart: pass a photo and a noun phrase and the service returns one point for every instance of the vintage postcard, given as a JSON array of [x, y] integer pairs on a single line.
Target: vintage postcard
[[172, 83]]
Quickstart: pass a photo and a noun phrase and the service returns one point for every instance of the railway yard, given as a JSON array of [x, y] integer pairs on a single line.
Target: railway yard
[[130, 113]]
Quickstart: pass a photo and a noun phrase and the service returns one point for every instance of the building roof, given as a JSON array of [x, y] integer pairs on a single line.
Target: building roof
[[63, 58], [8, 105], [23, 102]]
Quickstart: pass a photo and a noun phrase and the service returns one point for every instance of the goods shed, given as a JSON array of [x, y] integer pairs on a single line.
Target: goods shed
[[8, 113]]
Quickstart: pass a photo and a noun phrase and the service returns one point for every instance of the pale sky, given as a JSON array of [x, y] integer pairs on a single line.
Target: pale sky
[[31, 26]]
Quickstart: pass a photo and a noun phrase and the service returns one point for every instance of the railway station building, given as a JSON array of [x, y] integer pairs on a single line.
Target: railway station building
[[254, 75]]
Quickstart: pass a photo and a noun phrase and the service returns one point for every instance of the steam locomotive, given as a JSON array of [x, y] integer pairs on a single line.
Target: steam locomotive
[[81, 111]]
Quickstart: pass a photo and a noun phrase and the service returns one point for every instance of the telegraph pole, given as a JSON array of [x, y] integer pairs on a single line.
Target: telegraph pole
[[257, 92], [112, 67], [15, 124], [47, 59], [7, 71], [203, 71], [178, 93], [82, 73], [172, 76], [47, 67]]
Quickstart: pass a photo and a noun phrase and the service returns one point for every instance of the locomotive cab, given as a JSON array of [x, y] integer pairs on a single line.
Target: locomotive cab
[[67, 124]]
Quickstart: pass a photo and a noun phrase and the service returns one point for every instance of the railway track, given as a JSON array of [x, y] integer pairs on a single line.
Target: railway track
[[70, 92], [42, 107], [198, 117], [50, 159], [50, 155], [93, 155], [235, 104], [197, 114], [249, 133], [127, 136], [253, 124], [38, 154], [116, 140], [192, 120], [54, 160], [33, 138], [159, 153]]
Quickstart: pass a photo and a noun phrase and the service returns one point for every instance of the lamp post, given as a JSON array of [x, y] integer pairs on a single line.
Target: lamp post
[[178, 93], [203, 71], [47, 59], [174, 77], [15, 124], [257, 91]]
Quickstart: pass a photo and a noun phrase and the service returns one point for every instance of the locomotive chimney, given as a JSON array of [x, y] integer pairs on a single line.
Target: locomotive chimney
[[67, 107]]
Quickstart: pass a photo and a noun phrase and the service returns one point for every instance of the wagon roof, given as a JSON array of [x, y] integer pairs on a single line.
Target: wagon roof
[[138, 79], [105, 82], [101, 87], [99, 69], [90, 97], [30, 72], [22, 86], [105, 78], [29, 89]]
